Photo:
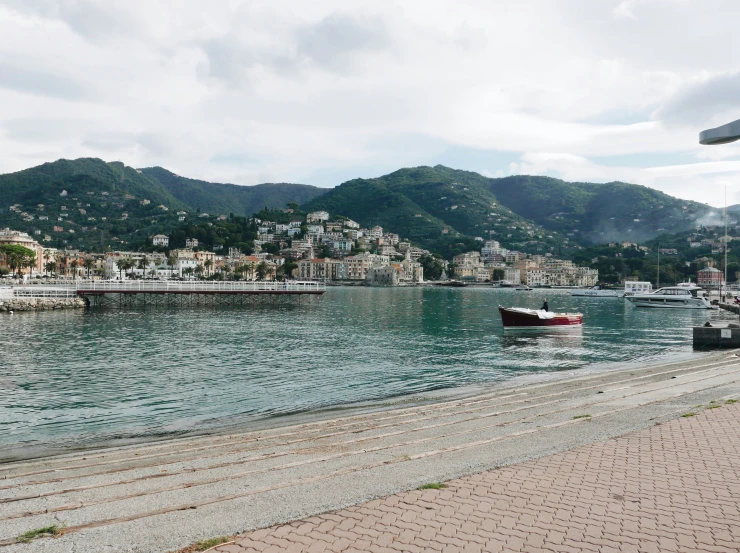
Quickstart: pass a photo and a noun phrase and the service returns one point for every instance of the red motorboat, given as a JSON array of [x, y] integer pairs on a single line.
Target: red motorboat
[[522, 317]]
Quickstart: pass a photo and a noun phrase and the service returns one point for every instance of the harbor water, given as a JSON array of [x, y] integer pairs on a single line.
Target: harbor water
[[81, 378]]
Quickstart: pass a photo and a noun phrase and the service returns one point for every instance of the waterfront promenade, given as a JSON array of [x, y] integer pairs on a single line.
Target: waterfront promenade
[[674, 487], [163, 496]]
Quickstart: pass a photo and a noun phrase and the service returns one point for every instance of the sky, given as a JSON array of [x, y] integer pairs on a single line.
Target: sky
[[324, 91]]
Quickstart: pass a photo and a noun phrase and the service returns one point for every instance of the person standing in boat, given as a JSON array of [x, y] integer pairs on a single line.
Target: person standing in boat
[[544, 305]]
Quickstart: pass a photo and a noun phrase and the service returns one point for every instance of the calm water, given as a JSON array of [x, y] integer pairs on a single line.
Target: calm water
[[79, 378]]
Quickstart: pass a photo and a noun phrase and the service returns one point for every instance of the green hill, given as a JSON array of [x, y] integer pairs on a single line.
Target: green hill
[[231, 198], [530, 213], [435, 205], [108, 204], [597, 213], [99, 204]]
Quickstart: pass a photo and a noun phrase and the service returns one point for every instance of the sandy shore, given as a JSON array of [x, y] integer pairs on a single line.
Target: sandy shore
[[157, 497]]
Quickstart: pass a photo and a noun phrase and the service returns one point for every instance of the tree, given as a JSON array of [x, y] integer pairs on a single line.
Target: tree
[[143, 264], [270, 247], [17, 257], [74, 264], [208, 264], [125, 265], [188, 271], [29, 261], [433, 267], [171, 262], [262, 271], [288, 267], [88, 263], [498, 274], [199, 270], [51, 267]]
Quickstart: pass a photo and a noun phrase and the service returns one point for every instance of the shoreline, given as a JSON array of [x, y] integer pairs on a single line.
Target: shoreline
[[165, 495], [382, 405]]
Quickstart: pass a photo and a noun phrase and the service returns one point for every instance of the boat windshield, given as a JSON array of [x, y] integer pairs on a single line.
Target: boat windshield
[[672, 292]]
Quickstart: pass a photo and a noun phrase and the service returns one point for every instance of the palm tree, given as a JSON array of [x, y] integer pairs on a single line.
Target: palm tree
[[171, 262], [262, 270], [50, 267], [143, 264], [199, 270], [29, 261], [188, 271], [126, 264], [208, 264], [74, 264], [88, 264], [251, 269]]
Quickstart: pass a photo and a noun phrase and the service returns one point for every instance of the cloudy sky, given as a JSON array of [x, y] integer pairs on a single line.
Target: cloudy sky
[[323, 91]]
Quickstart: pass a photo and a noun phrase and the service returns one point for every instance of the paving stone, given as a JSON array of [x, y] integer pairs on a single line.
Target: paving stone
[[674, 487]]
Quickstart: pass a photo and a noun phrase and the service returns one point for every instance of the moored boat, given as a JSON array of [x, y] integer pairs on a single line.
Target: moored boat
[[671, 297], [597, 292], [523, 317]]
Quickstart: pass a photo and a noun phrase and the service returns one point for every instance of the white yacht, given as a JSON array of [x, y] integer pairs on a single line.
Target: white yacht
[[597, 292], [675, 297]]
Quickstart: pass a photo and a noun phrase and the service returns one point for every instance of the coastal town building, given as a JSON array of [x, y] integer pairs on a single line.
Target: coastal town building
[[358, 265], [160, 240], [17, 238], [321, 269], [710, 276], [317, 217]]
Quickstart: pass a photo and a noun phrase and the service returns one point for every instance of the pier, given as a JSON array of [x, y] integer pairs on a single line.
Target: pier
[[127, 293]]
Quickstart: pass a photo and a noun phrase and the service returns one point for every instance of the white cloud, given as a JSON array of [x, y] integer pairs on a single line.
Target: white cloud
[[290, 90]]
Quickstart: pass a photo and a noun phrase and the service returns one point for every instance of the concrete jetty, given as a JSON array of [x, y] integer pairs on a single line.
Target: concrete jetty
[[166, 495]]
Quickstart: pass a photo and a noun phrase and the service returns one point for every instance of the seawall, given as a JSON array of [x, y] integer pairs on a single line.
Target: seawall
[[39, 304]]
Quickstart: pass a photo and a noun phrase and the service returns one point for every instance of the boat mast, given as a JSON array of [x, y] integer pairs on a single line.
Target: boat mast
[[725, 214]]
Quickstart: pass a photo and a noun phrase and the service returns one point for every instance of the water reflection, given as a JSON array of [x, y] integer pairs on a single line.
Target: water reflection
[[77, 377]]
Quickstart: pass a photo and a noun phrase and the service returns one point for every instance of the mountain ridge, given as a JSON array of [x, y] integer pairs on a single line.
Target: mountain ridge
[[441, 208]]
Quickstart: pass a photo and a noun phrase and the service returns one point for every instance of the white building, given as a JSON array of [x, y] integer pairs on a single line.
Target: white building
[[317, 217], [375, 233], [491, 248], [191, 242], [160, 240], [512, 275], [359, 265]]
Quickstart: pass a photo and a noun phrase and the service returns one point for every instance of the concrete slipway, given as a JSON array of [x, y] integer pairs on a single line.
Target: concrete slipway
[[158, 497]]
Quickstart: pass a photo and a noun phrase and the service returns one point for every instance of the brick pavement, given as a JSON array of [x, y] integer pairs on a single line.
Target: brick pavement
[[673, 487]]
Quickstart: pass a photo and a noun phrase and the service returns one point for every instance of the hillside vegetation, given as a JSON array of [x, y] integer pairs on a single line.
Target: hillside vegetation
[[597, 212], [443, 209], [231, 198], [98, 204]]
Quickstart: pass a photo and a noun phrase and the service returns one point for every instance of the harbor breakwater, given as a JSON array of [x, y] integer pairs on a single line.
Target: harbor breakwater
[[39, 304]]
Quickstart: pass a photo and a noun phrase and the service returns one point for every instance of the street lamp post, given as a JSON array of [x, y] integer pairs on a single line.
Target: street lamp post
[[712, 137], [721, 135]]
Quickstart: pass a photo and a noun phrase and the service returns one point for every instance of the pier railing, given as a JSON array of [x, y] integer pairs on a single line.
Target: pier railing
[[72, 288]]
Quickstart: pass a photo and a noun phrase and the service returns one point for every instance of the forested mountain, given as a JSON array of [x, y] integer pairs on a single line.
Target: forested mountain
[[96, 204], [597, 212], [231, 198], [530, 213]]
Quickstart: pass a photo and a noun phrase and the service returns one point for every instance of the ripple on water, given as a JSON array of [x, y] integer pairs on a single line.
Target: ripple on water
[[78, 377]]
